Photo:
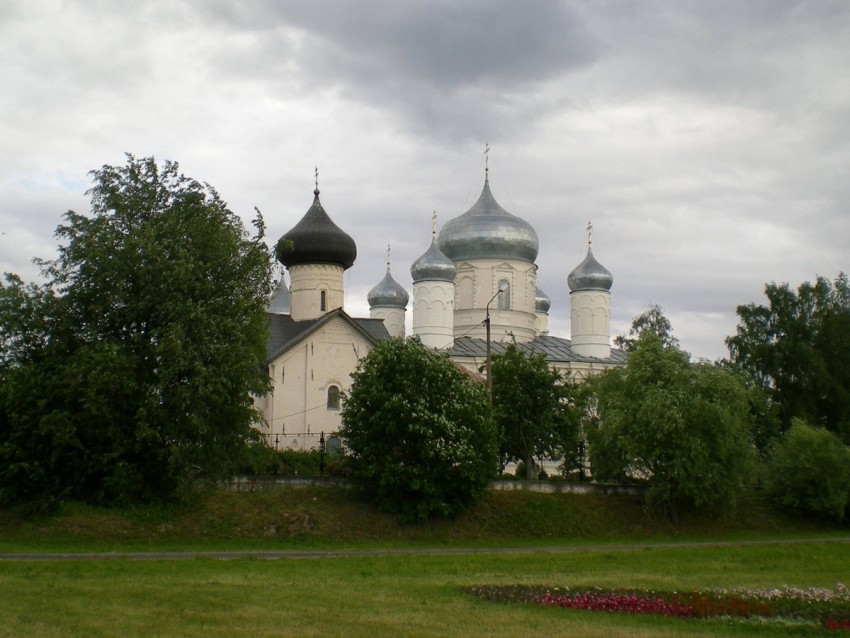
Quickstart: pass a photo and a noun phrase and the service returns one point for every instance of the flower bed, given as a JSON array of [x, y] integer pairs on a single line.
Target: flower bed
[[829, 607]]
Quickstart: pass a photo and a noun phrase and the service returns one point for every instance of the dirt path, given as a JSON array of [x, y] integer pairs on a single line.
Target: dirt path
[[443, 551]]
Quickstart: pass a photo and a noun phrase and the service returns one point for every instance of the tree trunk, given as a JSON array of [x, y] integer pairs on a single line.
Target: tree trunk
[[530, 469]]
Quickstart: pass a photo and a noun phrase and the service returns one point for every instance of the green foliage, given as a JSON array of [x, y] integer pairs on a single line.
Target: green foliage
[[262, 460], [796, 347], [809, 472], [534, 409], [131, 370], [651, 321], [419, 431], [682, 428]]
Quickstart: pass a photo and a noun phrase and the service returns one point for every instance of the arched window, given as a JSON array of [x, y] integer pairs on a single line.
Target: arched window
[[505, 297], [323, 300], [334, 445], [333, 398]]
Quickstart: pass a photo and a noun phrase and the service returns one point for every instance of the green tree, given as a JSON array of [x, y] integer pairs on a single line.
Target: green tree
[[133, 367], [809, 472], [651, 321], [796, 347], [419, 431], [681, 428], [534, 410]]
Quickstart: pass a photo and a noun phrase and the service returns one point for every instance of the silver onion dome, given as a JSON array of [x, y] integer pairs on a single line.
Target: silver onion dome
[[388, 293], [488, 231], [279, 300], [590, 275], [542, 303], [433, 265]]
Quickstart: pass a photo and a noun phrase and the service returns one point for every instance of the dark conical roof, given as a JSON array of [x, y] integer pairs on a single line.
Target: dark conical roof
[[316, 240]]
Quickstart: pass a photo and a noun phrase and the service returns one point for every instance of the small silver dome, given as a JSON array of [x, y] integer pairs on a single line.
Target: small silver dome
[[590, 275], [388, 293], [542, 303], [279, 301], [488, 231], [433, 266]]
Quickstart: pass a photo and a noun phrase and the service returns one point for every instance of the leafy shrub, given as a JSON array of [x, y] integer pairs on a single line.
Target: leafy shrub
[[262, 460], [419, 430], [809, 472]]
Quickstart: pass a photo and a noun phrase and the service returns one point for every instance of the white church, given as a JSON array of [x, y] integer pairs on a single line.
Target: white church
[[481, 265]]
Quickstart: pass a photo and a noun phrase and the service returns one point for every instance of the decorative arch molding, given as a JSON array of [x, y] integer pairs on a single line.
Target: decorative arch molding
[[437, 313], [465, 291]]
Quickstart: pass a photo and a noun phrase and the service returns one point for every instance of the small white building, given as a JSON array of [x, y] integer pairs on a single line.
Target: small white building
[[481, 264]]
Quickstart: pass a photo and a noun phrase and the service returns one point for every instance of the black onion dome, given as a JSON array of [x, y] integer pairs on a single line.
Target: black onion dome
[[433, 265], [388, 293], [316, 240], [590, 275], [488, 231]]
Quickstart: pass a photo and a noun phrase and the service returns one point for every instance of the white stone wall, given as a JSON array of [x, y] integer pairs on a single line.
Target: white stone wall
[[296, 410], [433, 313], [590, 323], [393, 319], [477, 281], [577, 371], [541, 323], [308, 281]]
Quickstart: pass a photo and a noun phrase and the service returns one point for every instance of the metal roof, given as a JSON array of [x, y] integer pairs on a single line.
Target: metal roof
[[433, 265], [542, 302], [285, 333], [554, 349], [279, 300], [316, 240], [388, 293], [488, 231], [590, 275]]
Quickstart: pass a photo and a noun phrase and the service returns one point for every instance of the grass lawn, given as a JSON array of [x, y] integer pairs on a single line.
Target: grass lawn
[[390, 596], [397, 595]]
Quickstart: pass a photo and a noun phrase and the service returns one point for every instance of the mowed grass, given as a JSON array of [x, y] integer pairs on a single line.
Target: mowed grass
[[393, 595]]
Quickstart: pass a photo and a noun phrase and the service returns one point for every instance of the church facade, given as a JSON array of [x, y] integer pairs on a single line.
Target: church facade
[[477, 278]]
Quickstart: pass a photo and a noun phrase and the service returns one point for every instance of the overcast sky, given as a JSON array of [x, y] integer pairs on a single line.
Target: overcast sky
[[708, 142]]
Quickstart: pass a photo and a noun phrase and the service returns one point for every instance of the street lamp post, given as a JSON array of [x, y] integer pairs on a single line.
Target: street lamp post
[[487, 326]]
